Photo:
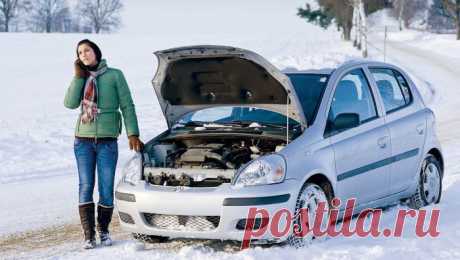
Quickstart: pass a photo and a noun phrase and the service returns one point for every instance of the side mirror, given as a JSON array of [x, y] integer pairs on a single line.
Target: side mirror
[[345, 121]]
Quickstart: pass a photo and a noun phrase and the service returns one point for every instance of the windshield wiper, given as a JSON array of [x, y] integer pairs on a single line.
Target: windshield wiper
[[194, 123]]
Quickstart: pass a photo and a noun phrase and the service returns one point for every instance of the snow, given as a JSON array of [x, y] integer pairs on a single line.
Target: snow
[[442, 44], [38, 180], [381, 19], [36, 138]]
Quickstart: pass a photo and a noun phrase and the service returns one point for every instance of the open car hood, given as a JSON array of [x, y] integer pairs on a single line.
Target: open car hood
[[197, 77]]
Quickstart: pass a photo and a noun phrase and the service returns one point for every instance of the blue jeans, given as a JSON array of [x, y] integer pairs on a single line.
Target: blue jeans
[[104, 155]]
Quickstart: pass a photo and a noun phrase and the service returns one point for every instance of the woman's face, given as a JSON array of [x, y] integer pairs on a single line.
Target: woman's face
[[87, 55]]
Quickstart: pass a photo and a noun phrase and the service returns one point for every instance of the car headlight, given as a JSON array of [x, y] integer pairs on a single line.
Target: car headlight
[[268, 169], [132, 170]]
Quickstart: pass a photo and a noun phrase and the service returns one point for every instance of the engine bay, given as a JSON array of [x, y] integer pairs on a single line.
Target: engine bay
[[203, 161]]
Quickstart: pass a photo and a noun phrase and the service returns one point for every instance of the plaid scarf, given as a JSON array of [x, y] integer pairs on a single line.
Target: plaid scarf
[[89, 102]]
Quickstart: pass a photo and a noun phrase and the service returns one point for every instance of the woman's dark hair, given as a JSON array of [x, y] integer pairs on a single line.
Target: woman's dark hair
[[93, 46]]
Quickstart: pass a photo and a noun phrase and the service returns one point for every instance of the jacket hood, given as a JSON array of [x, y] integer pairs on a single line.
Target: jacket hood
[[198, 77]]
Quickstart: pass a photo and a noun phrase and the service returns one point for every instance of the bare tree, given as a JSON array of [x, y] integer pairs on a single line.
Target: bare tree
[[357, 38], [360, 25], [102, 15], [399, 9], [363, 20], [452, 8], [8, 10], [408, 10], [49, 15], [342, 13]]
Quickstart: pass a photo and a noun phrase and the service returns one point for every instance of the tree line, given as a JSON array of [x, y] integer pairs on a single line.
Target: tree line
[[440, 16], [87, 16]]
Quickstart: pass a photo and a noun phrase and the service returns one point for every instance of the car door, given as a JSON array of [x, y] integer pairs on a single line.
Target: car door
[[360, 152], [407, 125]]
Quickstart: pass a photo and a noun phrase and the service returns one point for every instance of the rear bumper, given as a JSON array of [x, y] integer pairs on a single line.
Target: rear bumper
[[225, 201]]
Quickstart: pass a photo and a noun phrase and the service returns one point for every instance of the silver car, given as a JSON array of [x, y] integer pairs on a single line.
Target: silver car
[[243, 134]]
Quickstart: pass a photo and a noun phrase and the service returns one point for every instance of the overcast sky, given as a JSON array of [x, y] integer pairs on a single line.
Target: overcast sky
[[209, 16]]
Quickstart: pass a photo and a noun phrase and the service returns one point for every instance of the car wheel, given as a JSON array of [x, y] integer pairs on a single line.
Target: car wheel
[[310, 196], [429, 185], [149, 239]]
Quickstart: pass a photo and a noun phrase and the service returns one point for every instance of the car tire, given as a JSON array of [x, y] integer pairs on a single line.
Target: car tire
[[429, 186], [149, 239], [309, 197]]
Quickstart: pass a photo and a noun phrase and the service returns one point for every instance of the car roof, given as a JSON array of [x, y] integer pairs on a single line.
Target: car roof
[[343, 65], [325, 71]]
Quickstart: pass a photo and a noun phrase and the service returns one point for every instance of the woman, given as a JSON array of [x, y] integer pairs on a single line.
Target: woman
[[99, 91]]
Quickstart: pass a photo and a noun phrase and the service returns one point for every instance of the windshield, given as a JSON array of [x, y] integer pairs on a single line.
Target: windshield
[[309, 89], [237, 115]]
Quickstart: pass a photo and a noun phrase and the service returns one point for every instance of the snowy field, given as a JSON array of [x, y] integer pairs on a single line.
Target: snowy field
[[38, 181]]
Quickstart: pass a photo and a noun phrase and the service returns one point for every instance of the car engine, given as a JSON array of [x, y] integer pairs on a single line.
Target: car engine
[[202, 162]]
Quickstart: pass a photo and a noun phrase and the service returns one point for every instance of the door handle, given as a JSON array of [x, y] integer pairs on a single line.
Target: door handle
[[420, 129], [382, 142]]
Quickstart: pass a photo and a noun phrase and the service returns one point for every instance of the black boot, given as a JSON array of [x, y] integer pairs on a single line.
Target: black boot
[[104, 216], [87, 223]]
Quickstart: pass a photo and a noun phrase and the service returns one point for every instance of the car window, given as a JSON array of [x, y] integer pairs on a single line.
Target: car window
[[393, 88], [309, 89], [352, 96], [404, 86]]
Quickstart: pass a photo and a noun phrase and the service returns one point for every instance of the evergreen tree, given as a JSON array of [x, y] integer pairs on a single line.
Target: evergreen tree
[[341, 12], [438, 19], [322, 17], [451, 9]]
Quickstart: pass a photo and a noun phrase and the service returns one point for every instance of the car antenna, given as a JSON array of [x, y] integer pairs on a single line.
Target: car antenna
[[287, 117]]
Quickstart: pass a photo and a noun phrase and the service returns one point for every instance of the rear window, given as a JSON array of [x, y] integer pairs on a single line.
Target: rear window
[[309, 89]]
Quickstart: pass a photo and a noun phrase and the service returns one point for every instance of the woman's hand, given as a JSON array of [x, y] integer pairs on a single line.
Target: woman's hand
[[135, 143], [79, 71]]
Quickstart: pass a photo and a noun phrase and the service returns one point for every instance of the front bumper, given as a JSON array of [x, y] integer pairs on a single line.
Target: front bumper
[[229, 203]]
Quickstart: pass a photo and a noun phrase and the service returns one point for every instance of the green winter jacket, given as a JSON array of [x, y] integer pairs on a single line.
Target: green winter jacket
[[113, 94]]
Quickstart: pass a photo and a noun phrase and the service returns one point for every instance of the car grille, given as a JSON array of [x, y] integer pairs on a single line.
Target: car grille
[[182, 223]]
